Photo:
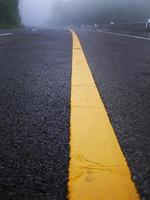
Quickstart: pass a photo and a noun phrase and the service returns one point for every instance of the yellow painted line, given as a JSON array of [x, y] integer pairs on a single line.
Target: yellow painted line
[[98, 169]]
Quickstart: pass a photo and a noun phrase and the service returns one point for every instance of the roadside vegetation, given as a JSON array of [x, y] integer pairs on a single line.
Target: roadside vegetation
[[9, 14]]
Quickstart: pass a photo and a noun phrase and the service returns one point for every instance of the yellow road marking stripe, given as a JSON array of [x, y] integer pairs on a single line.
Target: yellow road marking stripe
[[98, 169]]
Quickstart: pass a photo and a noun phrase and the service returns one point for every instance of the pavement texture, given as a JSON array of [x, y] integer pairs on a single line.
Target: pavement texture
[[121, 68], [35, 83], [35, 73]]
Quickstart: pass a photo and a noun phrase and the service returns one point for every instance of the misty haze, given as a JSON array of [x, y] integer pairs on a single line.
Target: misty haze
[[65, 12]]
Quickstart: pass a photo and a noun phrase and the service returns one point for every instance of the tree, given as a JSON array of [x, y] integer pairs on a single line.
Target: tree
[[9, 12]]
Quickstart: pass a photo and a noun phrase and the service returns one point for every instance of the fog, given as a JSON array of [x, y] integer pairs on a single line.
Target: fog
[[36, 12], [66, 12]]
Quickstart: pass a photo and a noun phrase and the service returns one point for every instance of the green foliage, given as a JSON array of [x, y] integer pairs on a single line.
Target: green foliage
[[9, 12]]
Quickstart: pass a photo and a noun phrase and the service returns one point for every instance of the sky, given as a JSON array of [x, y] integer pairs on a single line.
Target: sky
[[51, 12]]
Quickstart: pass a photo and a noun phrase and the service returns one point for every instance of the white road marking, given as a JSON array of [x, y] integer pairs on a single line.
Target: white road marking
[[125, 35], [5, 34]]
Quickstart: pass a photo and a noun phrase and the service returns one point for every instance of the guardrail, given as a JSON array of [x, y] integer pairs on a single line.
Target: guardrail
[[128, 27], [135, 27]]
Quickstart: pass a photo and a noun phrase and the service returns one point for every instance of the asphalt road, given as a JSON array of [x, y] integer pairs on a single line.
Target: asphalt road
[[35, 81], [35, 70], [121, 68]]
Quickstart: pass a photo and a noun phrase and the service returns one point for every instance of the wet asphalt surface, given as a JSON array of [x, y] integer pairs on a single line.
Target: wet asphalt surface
[[121, 68], [35, 73]]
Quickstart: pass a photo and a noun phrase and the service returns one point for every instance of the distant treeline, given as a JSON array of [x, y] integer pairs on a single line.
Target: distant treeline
[[101, 11], [9, 12]]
